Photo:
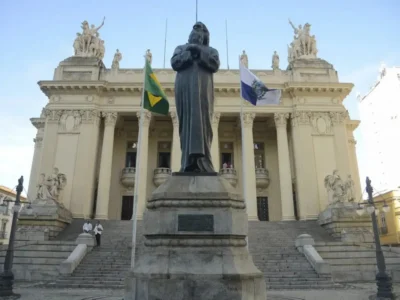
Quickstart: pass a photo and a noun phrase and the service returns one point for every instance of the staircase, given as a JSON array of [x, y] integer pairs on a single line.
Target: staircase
[[353, 263], [272, 247]]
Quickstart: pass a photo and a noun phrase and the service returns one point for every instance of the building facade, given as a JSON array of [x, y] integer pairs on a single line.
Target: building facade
[[7, 195], [380, 116], [89, 131], [389, 223]]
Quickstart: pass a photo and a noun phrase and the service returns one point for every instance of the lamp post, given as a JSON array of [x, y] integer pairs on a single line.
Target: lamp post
[[383, 280], [7, 277]]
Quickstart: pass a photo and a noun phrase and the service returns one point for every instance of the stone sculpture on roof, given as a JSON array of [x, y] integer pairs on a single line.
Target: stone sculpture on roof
[[88, 43], [304, 45]]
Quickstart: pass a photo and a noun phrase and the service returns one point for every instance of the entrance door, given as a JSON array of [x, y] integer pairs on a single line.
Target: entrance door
[[262, 208], [127, 208]]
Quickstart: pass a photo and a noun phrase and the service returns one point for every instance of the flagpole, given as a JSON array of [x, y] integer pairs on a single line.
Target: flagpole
[[243, 153], [165, 41], [135, 193], [196, 11], [227, 53]]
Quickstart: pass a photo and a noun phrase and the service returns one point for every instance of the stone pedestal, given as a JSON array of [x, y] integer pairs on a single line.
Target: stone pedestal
[[47, 219], [195, 229], [342, 221]]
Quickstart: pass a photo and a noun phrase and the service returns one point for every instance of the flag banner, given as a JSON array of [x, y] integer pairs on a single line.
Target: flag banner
[[255, 91], [154, 97]]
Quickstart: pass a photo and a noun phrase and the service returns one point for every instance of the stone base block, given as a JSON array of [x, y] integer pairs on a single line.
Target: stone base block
[[47, 219], [342, 221], [194, 274]]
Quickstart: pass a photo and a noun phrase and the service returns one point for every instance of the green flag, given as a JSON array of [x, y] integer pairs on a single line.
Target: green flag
[[154, 96]]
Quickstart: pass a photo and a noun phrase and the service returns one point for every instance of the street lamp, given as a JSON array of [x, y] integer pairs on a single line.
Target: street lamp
[[383, 280], [7, 277]]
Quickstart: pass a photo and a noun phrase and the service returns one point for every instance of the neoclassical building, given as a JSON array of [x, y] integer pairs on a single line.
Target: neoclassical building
[[89, 131]]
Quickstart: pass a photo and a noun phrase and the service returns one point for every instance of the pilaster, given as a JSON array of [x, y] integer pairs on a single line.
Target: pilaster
[[215, 142], [249, 172], [341, 149], [103, 194], [176, 144], [39, 123], [304, 163], [285, 180], [355, 174], [143, 143], [84, 178]]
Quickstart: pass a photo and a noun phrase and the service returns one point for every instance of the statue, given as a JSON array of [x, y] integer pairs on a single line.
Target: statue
[[244, 59], [51, 187], [116, 60], [88, 43], [349, 185], [275, 61], [304, 45], [149, 56], [195, 63], [339, 191]]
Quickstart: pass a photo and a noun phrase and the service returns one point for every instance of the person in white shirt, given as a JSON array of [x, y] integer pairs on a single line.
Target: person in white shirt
[[87, 227], [98, 229]]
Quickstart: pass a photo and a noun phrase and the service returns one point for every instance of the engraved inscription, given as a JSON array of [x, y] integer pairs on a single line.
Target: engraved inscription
[[196, 223]]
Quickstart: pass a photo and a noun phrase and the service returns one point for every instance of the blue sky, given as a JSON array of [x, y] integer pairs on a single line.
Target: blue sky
[[353, 35]]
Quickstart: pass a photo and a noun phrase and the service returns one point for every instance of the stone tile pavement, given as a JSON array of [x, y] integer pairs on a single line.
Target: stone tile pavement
[[30, 291]]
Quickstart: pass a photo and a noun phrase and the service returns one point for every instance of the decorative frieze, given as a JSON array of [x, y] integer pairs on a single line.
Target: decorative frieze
[[281, 119], [146, 117], [110, 118], [301, 118], [53, 115], [339, 117], [90, 116], [321, 123], [70, 121], [248, 119]]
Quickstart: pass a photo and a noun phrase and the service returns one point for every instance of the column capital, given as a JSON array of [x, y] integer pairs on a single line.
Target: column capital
[[39, 123], [215, 118], [174, 118], [281, 119], [301, 118], [38, 142], [110, 118], [146, 117], [339, 117], [248, 119]]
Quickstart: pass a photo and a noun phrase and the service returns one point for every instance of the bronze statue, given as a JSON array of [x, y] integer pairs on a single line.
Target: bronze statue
[[195, 63]]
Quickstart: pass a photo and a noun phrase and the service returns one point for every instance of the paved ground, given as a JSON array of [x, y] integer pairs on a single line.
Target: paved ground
[[358, 292]]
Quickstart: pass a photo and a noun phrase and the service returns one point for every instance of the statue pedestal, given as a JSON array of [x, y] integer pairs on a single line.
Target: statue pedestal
[[195, 229], [47, 219], [342, 221]]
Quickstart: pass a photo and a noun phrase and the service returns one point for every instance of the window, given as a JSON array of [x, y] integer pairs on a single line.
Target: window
[[384, 229], [259, 155], [130, 161], [227, 159], [164, 155]]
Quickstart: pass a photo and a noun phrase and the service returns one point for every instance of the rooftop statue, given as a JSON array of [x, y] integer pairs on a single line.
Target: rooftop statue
[[195, 63], [304, 45], [88, 43]]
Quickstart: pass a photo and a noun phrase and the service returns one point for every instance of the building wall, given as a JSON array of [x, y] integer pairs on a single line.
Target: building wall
[[88, 123], [389, 223]]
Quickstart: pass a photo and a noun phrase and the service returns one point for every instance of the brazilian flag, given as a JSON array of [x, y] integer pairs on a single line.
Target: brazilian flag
[[154, 96]]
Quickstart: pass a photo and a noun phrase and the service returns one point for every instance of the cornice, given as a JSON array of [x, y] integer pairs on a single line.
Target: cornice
[[353, 124]]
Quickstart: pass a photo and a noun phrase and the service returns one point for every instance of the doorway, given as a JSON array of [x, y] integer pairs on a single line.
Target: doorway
[[262, 208], [127, 208]]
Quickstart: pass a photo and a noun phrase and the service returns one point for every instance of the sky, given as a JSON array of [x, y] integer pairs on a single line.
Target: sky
[[353, 35]]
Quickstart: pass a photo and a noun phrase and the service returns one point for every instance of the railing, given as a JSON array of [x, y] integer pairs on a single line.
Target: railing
[[229, 174], [262, 178], [161, 175], [128, 175]]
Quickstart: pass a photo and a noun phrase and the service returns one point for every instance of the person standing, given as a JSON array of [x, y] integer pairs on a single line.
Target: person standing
[[98, 229]]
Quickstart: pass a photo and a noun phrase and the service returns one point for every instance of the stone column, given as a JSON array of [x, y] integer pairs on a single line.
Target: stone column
[[215, 142], [39, 123], [143, 157], [50, 140], [285, 175], [341, 141], [249, 171], [304, 164], [176, 144], [103, 191]]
